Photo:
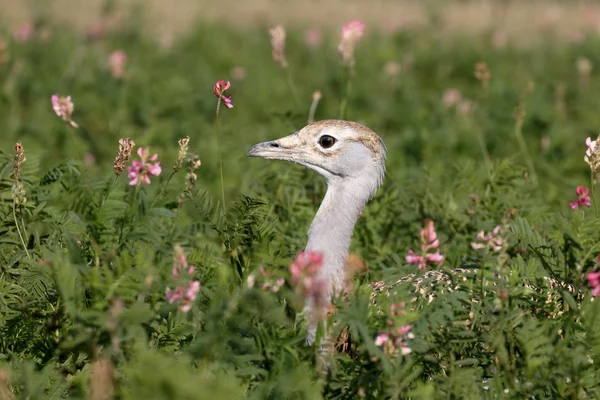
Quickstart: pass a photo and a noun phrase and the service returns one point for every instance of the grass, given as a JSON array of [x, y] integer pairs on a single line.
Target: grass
[[86, 259]]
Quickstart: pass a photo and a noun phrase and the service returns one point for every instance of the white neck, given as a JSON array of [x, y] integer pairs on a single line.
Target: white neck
[[331, 231]]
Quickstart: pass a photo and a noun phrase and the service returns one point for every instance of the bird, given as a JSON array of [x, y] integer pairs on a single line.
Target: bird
[[351, 159]]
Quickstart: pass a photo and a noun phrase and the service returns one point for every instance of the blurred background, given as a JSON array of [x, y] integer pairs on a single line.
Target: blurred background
[[523, 21]]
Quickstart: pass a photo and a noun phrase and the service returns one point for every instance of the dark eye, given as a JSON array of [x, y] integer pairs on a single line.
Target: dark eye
[[326, 141]]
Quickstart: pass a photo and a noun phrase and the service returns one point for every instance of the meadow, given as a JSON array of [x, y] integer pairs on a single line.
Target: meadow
[[486, 138]]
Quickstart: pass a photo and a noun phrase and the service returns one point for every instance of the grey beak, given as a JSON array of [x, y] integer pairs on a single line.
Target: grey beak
[[265, 149]]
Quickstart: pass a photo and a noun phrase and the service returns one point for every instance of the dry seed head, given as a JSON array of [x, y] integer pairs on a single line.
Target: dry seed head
[[126, 146], [18, 162], [18, 191], [190, 177], [278, 45], [183, 148], [482, 73]]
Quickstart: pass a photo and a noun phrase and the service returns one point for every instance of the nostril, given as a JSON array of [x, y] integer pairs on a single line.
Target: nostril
[[273, 144]]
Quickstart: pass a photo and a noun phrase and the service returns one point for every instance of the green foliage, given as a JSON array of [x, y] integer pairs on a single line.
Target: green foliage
[[86, 261]]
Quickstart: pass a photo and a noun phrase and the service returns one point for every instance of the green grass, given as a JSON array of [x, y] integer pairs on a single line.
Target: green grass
[[83, 279]]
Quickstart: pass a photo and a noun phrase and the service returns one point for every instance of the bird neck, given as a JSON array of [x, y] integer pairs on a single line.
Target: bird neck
[[331, 231]]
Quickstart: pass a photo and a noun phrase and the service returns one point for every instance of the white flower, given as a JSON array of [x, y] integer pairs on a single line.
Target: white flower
[[592, 154]]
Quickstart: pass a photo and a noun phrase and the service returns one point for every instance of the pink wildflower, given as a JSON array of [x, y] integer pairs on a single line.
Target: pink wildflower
[[117, 61], [429, 241], [181, 263], [305, 276], [396, 336], [583, 198], [492, 240], [313, 37], [278, 45], [63, 107], [594, 282], [219, 89], [24, 32], [352, 32], [451, 97], [141, 170], [381, 339], [183, 294]]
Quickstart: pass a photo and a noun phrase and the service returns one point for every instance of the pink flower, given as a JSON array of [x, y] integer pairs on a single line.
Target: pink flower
[[429, 241], [594, 282], [313, 37], [305, 276], [403, 330], [451, 97], [181, 263], [306, 264], [381, 339], [140, 171], [583, 198], [24, 32], [352, 32], [219, 89], [63, 107], [492, 240], [395, 337], [117, 61], [185, 295]]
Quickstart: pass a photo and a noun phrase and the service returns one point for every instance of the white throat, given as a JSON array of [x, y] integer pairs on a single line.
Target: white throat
[[331, 230]]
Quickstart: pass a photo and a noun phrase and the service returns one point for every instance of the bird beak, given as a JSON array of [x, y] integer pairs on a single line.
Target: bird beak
[[280, 149]]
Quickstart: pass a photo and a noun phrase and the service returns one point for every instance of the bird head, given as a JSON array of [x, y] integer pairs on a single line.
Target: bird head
[[337, 150]]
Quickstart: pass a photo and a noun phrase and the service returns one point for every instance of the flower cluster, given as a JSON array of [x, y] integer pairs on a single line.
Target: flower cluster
[[429, 241], [395, 337], [278, 45], [269, 285], [184, 295], [117, 62], [219, 89], [141, 170], [492, 240], [583, 198], [305, 277], [63, 107], [592, 153], [352, 32]]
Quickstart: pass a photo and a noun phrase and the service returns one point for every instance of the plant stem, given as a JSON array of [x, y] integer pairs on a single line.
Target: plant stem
[[593, 191], [344, 103], [162, 190], [292, 87], [486, 156], [220, 157], [19, 230], [525, 150]]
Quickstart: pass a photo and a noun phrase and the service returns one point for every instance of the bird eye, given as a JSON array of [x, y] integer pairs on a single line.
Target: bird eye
[[326, 141]]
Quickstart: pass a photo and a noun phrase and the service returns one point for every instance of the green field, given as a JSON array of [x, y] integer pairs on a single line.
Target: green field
[[479, 133]]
